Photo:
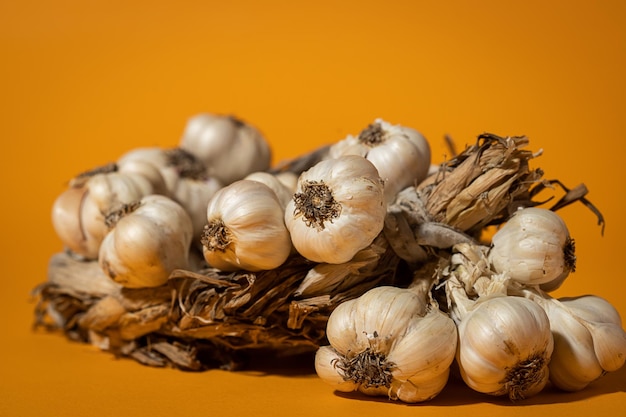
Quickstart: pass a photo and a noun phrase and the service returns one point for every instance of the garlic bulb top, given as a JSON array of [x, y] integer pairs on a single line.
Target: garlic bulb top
[[246, 228], [337, 210], [230, 148], [148, 240], [400, 154], [533, 247], [389, 342]]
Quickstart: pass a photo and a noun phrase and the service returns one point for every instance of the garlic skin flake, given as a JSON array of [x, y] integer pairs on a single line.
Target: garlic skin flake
[[400, 154], [230, 148], [504, 346], [337, 210], [388, 342], [246, 228], [148, 240], [533, 247]]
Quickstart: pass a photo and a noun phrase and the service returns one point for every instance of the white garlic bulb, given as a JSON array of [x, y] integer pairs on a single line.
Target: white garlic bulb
[[148, 240], [246, 228], [505, 343], [337, 210], [400, 154], [388, 342], [229, 148], [533, 247], [588, 338], [79, 212]]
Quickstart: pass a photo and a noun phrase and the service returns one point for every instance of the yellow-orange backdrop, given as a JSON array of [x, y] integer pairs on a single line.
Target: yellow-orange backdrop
[[83, 82]]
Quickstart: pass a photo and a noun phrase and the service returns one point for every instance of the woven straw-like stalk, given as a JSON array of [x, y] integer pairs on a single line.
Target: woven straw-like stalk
[[207, 318]]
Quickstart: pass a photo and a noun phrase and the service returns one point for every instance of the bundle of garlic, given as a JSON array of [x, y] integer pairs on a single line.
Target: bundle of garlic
[[332, 253]]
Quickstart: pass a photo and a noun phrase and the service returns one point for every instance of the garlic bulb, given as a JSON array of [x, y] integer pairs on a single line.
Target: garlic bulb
[[148, 240], [79, 212], [337, 210], [229, 148], [389, 342], [534, 247], [283, 192], [400, 154], [505, 343], [588, 338], [246, 228]]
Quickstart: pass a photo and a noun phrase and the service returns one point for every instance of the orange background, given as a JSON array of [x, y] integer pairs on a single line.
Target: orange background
[[84, 81]]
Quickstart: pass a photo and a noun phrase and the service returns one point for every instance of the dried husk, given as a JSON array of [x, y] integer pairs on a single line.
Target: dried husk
[[204, 318]]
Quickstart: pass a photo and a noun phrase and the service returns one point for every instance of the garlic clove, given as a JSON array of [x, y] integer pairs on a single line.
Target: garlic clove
[[435, 353], [609, 345], [604, 324], [573, 364], [342, 332], [419, 390], [325, 359]]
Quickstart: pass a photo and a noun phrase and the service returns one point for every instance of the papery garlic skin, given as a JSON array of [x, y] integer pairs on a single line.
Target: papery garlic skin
[[400, 154], [533, 247], [149, 240], [337, 210], [504, 347], [388, 342], [230, 148], [78, 213], [246, 229]]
